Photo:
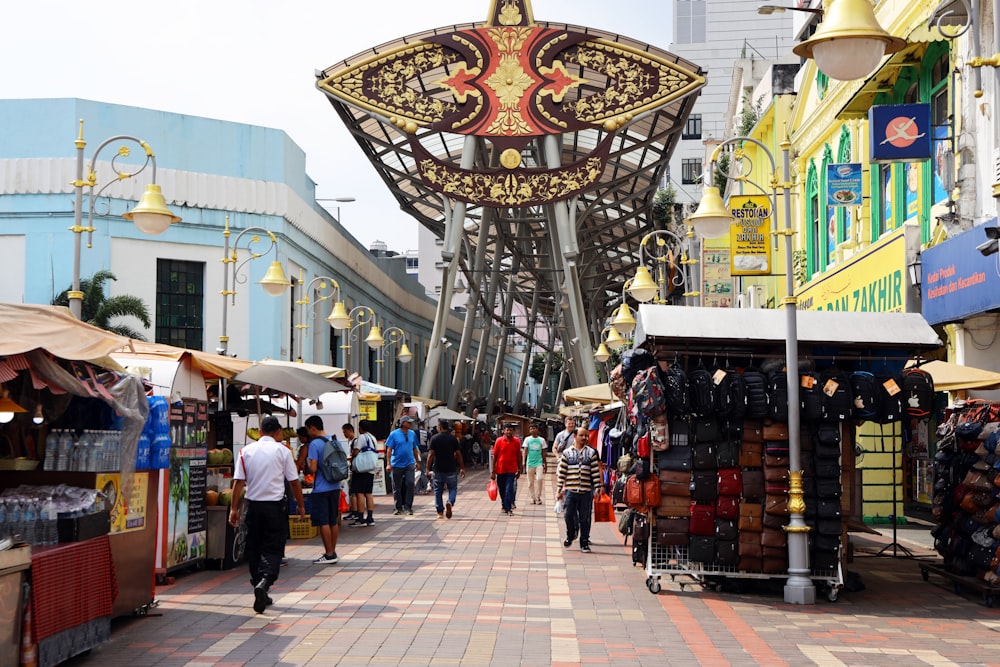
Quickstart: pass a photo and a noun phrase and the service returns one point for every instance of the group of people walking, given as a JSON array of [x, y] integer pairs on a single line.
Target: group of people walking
[[268, 472]]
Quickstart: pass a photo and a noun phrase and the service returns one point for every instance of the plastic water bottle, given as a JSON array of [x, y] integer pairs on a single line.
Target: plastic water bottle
[[85, 459], [4, 528], [39, 528], [28, 517], [51, 448], [65, 451], [51, 529], [99, 452], [14, 517]]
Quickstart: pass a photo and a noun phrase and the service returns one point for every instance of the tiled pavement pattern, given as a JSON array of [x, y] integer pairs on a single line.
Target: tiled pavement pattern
[[486, 589]]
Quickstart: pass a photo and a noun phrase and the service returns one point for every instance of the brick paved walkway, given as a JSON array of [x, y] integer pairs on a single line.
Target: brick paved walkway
[[486, 589]]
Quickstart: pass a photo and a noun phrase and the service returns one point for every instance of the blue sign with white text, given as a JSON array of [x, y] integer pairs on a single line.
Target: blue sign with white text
[[958, 281], [900, 132], [843, 184]]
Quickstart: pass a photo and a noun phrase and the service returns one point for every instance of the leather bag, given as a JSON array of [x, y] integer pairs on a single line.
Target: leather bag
[[775, 461], [703, 456], [702, 549], [775, 521], [730, 482], [675, 458], [751, 454], [774, 430], [776, 505], [704, 485], [672, 532], [753, 431], [775, 474], [727, 552], [727, 453], [751, 517], [706, 429], [702, 519], [750, 546], [675, 483], [774, 538], [753, 484], [673, 506], [726, 529], [727, 507], [751, 564]]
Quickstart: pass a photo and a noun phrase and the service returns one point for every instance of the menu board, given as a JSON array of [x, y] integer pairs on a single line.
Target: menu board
[[186, 511], [717, 289]]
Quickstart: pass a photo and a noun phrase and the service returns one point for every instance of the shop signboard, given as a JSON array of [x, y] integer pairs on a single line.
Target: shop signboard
[[843, 184], [900, 132], [717, 286], [750, 235], [871, 282], [368, 410], [958, 281], [127, 514], [186, 484]]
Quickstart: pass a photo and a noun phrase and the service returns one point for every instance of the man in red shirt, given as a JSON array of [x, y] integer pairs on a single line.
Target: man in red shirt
[[507, 466]]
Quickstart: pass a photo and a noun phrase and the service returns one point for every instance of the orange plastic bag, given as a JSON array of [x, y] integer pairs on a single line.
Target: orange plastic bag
[[344, 505], [603, 510]]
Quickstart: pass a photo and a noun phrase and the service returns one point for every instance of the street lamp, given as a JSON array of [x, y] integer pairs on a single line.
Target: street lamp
[[337, 314], [602, 354], [642, 287], [849, 43], [151, 215], [363, 315], [623, 320], [614, 340], [274, 281], [393, 336], [712, 220]]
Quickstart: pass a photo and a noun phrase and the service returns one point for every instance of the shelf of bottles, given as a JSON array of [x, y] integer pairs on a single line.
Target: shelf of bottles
[[90, 451]]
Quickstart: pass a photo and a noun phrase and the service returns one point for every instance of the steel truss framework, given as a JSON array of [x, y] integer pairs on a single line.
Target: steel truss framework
[[517, 253]]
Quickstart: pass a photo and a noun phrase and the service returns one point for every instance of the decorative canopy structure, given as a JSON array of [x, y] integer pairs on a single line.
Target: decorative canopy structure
[[532, 149]]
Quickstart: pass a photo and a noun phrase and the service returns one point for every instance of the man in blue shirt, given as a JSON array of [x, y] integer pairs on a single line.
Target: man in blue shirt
[[403, 453], [325, 501]]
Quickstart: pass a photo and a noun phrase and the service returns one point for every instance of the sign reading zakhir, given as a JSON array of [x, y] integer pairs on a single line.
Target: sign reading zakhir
[[509, 81]]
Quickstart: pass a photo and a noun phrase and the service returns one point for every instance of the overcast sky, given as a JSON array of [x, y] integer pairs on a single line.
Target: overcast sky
[[253, 62]]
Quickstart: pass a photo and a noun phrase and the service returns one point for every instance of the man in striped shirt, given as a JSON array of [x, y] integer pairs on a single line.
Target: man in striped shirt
[[577, 477]]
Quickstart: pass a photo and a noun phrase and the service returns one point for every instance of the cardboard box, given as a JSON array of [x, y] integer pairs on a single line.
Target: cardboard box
[[84, 527], [15, 559]]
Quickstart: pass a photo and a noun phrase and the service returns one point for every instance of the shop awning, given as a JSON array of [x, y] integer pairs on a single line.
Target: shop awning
[[289, 380], [211, 365], [444, 413], [594, 393], [955, 377], [429, 402], [318, 369], [25, 327], [718, 328]]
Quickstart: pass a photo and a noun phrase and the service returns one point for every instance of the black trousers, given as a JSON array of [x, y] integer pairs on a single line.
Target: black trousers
[[267, 530]]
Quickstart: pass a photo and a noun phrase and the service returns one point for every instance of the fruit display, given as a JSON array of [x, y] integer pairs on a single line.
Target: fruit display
[[212, 498], [220, 457], [226, 497]]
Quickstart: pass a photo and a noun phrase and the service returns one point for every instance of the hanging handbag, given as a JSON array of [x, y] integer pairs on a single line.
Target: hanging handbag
[[675, 483], [673, 506], [751, 517]]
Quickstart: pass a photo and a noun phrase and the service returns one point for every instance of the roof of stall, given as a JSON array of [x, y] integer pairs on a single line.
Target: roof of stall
[[717, 328], [26, 327]]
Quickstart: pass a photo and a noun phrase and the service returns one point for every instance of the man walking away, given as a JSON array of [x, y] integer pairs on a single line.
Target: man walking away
[[325, 502], [262, 469], [577, 477], [362, 483], [444, 457], [507, 466], [403, 454], [565, 437], [534, 462]]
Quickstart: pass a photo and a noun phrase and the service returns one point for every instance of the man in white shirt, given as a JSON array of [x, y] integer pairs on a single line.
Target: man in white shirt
[[564, 438], [262, 469]]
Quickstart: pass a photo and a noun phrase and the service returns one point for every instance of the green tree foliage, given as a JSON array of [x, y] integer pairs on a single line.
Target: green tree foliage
[[537, 369], [749, 116], [99, 309]]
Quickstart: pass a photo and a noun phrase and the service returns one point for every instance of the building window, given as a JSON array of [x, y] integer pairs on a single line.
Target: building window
[[690, 23], [690, 170], [180, 303], [692, 129]]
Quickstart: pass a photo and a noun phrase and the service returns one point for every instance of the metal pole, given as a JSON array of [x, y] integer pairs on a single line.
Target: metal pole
[[475, 289], [75, 295], [799, 588], [226, 261]]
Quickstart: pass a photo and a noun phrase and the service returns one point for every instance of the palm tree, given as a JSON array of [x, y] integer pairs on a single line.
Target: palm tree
[[99, 309]]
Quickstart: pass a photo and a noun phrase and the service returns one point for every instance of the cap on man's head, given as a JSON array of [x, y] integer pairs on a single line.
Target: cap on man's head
[[406, 420], [270, 424]]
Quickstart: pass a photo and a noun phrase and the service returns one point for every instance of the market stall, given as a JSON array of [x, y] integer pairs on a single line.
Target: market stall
[[716, 434], [75, 400]]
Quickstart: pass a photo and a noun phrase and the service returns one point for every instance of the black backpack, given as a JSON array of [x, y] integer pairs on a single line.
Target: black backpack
[[918, 393], [756, 389], [889, 398], [732, 396], [676, 390], [835, 386], [810, 397], [777, 395], [864, 393], [648, 394], [704, 401]]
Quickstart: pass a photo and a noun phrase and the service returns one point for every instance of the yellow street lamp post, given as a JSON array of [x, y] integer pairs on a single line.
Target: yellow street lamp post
[[274, 281], [713, 219], [150, 216], [393, 336], [670, 270], [338, 314], [351, 323]]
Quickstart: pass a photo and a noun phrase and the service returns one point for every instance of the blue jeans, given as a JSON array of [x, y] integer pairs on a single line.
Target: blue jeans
[[441, 480], [402, 486], [578, 508], [507, 490]]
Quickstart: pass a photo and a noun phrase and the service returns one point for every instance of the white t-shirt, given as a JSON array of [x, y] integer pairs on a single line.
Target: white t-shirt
[[265, 465]]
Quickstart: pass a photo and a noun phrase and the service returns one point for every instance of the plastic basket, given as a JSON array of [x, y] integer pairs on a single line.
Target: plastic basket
[[301, 529]]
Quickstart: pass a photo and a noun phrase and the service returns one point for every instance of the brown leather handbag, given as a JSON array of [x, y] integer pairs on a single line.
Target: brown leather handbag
[[750, 546], [675, 483], [753, 431], [751, 517], [775, 474], [775, 430], [674, 506], [774, 538], [751, 454], [776, 505]]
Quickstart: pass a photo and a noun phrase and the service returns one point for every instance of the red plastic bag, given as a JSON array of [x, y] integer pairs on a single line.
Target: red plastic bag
[[603, 510], [492, 490], [344, 505]]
